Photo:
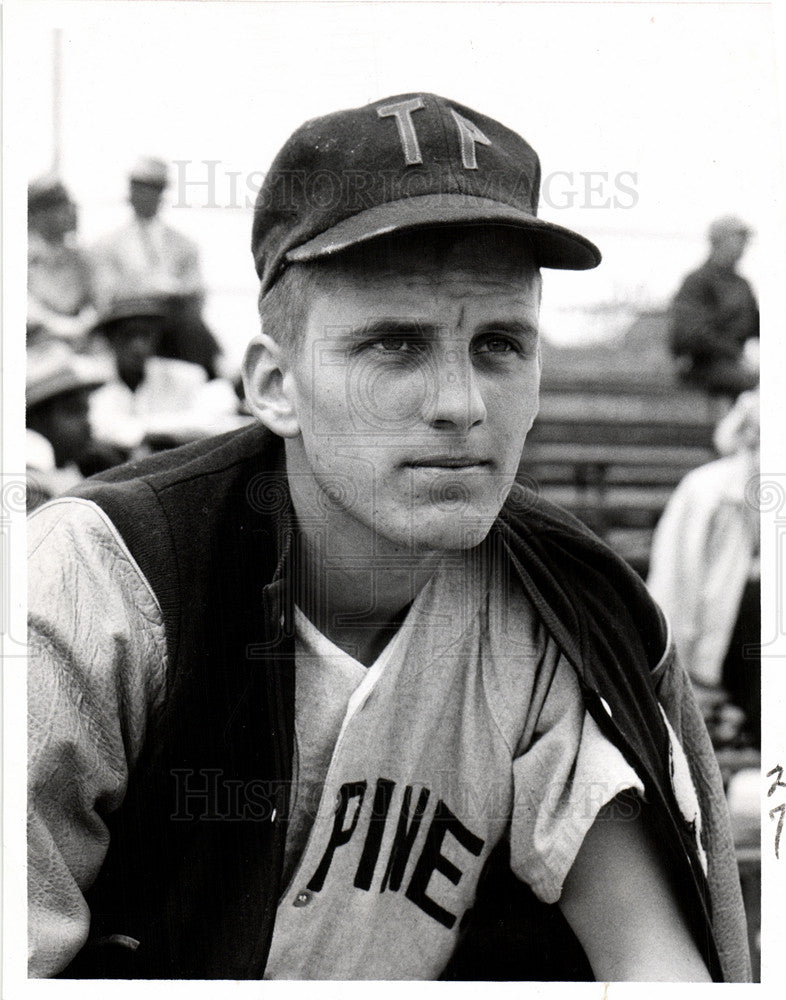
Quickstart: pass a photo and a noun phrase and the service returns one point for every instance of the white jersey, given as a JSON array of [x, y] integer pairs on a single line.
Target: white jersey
[[468, 728]]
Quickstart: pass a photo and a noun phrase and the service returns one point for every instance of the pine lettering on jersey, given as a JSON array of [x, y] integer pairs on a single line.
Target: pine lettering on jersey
[[339, 835], [408, 821], [376, 828], [432, 860], [406, 833]]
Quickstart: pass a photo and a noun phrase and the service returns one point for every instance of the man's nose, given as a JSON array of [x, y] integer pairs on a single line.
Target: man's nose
[[454, 399]]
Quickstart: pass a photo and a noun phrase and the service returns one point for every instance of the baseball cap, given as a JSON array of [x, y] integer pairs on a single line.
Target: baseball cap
[[149, 170], [130, 307], [54, 369], [411, 161]]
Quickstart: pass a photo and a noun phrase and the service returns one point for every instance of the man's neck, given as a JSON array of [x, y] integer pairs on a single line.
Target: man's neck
[[720, 264], [353, 585], [359, 601]]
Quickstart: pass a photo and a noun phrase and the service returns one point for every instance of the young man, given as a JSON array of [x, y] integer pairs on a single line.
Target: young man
[[344, 701]]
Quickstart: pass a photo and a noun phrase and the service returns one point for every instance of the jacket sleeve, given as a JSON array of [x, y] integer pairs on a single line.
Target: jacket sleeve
[[728, 915], [97, 667]]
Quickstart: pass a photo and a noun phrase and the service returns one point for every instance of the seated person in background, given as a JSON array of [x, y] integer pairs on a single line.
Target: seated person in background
[[705, 574], [148, 257], [59, 292], [58, 439], [153, 399], [714, 323]]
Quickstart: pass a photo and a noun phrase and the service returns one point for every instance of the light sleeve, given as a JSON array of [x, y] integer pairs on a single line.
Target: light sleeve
[[562, 779], [97, 669]]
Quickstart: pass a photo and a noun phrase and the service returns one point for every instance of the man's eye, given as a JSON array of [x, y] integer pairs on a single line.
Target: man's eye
[[497, 344], [396, 344]]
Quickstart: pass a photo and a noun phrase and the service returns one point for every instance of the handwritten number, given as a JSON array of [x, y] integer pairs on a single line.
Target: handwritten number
[[778, 809], [777, 783]]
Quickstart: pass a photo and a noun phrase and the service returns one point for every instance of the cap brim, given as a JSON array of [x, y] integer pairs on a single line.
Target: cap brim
[[104, 321], [60, 387], [554, 246]]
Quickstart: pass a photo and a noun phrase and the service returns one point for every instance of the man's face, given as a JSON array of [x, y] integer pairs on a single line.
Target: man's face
[[729, 247], [415, 386], [145, 199], [133, 341]]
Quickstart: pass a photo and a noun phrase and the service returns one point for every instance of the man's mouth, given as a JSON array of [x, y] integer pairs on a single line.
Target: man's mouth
[[447, 462]]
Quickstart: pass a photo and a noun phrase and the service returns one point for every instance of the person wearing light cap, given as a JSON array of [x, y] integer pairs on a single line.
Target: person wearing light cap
[[714, 319], [60, 296], [58, 437], [147, 256], [360, 706]]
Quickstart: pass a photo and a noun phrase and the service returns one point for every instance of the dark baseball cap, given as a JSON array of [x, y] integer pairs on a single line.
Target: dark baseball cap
[[130, 307], [406, 162]]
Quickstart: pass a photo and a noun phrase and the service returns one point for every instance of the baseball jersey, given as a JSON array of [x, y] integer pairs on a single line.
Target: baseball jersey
[[469, 727]]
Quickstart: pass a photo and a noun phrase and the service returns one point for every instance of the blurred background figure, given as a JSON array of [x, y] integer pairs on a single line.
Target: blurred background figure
[[153, 401], [148, 257], [714, 319], [59, 446], [705, 573], [59, 289]]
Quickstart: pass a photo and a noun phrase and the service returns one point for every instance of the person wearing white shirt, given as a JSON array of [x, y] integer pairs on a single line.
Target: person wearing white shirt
[[148, 257], [60, 302], [153, 400]]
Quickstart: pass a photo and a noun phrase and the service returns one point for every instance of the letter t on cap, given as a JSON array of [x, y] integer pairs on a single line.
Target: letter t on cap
[[402, 112]]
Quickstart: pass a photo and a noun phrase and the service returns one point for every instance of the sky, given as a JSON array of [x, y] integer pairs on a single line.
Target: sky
[[650, 119]]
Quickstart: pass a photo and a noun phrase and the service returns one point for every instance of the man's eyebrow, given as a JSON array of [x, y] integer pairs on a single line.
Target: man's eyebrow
[[412, 327], [392, 325], [518, 327]]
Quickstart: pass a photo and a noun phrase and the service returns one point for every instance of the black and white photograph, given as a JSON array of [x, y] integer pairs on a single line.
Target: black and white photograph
[[393, 496]]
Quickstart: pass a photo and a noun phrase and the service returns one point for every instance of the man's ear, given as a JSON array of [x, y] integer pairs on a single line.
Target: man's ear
[[268, 386]]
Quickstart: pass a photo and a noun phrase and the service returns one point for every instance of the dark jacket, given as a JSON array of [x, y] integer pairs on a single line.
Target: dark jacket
[[212, 529], [712, 315]]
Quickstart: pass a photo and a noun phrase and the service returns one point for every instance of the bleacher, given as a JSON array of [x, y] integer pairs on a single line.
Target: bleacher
[[612, 449]]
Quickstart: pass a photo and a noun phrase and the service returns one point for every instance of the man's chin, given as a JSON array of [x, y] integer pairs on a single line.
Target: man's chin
[[450, 533]]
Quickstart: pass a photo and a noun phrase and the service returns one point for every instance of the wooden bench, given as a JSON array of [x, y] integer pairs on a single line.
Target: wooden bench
[[612, 450]]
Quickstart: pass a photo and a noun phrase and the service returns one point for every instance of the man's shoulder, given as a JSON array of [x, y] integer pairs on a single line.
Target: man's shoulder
[[188, 491], [556, 546], [722, 480], [188, 515], [699, 279], [201, 459], [574, 578], [709, 275], [528, 514]]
